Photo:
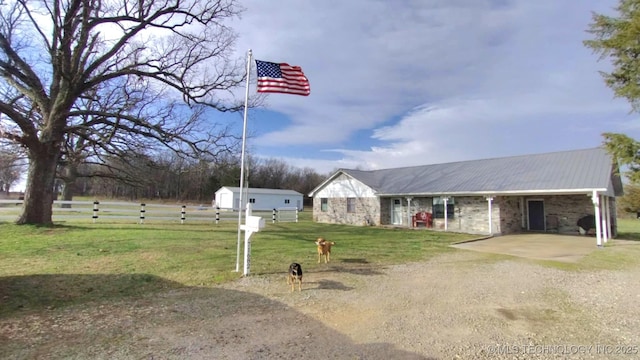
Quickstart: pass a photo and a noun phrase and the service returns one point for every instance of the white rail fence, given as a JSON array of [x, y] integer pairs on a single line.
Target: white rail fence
[[285, 214], [140, 212], [101, 211]]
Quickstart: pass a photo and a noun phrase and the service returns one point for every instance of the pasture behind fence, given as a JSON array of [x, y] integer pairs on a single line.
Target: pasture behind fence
[[285, 214], [99, 211]]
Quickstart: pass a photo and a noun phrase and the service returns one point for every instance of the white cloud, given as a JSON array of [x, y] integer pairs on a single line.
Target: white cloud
[[435, 81]]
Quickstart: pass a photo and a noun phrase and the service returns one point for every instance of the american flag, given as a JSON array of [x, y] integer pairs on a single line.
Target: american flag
[[281, 78]]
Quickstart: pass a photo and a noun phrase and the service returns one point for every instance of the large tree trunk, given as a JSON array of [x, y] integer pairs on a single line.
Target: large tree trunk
[[38, 197]]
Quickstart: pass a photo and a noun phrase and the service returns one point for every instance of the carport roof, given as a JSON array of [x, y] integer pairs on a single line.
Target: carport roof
[[565, 172]]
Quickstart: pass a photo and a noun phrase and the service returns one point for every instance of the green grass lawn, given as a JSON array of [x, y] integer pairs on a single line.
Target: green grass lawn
[[72, 262], [80, 261], [629, 229]]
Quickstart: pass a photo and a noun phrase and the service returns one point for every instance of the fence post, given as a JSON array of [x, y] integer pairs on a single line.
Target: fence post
[[95, 211], [142, 213], [273, 218], [182, 214], [217, 214], [297, 214]]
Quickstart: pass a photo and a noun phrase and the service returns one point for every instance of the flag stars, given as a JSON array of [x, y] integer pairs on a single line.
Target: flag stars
[[268, 69], [281, 78]]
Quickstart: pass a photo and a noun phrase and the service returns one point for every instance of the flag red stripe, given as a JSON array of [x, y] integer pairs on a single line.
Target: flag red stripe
[[293, 81], [272, 82]]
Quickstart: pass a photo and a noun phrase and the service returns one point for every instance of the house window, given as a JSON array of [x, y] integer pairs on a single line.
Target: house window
[[252, 200], [438, 207], [351, 205], [286, 201], [324, 204]]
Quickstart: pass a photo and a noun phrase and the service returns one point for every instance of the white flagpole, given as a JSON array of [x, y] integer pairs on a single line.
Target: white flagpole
[[244, 135]]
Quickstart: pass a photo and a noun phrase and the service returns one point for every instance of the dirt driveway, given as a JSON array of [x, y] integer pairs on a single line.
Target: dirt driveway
[[460, 305]]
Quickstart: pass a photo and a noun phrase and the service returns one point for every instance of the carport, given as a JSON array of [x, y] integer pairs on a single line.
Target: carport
[[564, 248]]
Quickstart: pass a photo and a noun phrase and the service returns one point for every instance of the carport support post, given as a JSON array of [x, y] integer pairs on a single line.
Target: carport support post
[[489, 200], [409, 222], [603, 215], [445, 199], [595, 198], [607, 215]]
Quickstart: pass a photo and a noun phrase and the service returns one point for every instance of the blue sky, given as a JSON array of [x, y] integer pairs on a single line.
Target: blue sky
[[402, 83]]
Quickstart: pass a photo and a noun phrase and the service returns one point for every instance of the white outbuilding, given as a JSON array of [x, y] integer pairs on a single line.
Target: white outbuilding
[[260, 199]]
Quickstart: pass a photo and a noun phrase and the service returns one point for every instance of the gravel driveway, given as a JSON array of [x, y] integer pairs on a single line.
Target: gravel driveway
[[460, 305]]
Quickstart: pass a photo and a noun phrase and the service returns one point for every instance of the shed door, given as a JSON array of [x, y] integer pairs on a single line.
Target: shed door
[[396, 211], [536, 214], [225, 201]]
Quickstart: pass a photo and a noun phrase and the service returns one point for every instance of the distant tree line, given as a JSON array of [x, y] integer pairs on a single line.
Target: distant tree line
[[174, 178]]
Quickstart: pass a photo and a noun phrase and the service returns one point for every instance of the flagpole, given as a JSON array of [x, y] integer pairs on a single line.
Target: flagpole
[[244, 135]]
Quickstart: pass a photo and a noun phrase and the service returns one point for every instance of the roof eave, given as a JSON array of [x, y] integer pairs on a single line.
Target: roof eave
[[586, 191]]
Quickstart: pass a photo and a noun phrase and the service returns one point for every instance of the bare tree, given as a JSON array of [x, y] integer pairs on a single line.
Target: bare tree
[[95, 140], [136, 56], [11, 167], [269, 173]]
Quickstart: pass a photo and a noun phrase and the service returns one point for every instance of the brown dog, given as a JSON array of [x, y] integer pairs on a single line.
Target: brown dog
[[295, 276], [324, 249]]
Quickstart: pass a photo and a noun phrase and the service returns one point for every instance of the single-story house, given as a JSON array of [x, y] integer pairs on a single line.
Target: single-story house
[[260, 199], [541, 192]]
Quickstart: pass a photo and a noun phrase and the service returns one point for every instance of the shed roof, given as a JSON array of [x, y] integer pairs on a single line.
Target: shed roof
[[575, 171], [262, 191]]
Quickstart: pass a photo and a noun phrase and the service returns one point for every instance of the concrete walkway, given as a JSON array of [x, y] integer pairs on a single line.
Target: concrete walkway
[[565, 248]]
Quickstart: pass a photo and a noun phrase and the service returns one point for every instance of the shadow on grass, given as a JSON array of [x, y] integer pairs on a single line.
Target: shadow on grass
[[39, 292], [633, 236], [355, 261]]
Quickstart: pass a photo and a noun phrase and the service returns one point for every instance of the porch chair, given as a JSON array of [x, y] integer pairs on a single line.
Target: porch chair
[[422, 218]]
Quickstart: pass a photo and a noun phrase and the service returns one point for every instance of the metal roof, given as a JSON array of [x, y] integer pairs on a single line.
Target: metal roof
[[576, 171], [262, 191]]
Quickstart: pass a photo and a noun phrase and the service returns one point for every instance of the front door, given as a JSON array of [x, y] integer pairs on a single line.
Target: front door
[[536, 215], [396, 211]]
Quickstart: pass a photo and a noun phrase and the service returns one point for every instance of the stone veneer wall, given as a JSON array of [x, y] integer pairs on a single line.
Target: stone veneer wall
[[385, 211], [417, 204], [470, 214], [510, 214], [367, 211], [570, 208]]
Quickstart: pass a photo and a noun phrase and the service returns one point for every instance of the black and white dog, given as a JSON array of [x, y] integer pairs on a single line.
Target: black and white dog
[[295, 275]]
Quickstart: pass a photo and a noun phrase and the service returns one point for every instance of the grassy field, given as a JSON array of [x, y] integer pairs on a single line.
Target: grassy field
[[79, 261], [73, 262], [629, 229]]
